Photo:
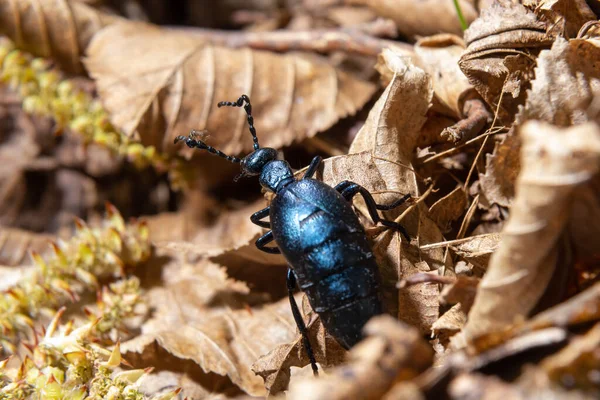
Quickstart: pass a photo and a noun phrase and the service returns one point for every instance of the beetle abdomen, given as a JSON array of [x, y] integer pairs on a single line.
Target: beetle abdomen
[[341, 281], [323, 241]]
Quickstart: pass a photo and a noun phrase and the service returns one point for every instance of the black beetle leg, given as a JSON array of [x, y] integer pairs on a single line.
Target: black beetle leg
[[257, 216], [350, 189], [265, 239], [291, 285], [312, 168], [343, 185]]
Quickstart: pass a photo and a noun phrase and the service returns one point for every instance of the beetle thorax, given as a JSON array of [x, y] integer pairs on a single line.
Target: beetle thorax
[[276, 175]]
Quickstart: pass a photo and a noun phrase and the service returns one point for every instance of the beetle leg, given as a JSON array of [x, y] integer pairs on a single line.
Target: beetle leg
[[291, 285], [343, 185], [312, 168], [257, 216], [262, 241], [351, 189]]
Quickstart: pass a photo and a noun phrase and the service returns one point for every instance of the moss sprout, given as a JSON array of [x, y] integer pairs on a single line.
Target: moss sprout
[[76, 266]]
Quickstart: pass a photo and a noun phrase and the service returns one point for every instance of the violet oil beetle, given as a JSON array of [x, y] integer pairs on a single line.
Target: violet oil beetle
[[315, 228]]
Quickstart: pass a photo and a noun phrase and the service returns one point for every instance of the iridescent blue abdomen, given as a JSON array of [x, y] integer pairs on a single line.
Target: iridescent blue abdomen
[[322, 239]]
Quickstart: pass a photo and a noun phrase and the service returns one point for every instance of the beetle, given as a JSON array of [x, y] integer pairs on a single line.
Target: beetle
[[315, 228]]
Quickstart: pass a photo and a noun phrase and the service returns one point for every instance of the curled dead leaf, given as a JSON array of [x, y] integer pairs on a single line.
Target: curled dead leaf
[[554, 163], [501, 48], [158, 84], [59, 29]]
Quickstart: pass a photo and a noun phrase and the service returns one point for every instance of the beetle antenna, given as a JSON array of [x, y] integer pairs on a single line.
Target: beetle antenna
[[192, 141], [248, 107]]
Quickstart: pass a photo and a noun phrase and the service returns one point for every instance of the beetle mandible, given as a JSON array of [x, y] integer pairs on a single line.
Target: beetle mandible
[[320, 236]]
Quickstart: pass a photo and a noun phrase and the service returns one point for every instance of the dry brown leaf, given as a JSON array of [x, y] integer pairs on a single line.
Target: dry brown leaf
[[275, 366], [528, 342], [449, 208], [227, 240], [532, 385], [193, 383], [200, 316], [158, 84], [478, 249], [567, 80], [555, 162], [462, 291], [501, 48], [578, 310], [231, 232], [392, 352], [230, 235], [59, 29], [438, 56], [451, 322], [566, 16], [482, 387], [501, 170], [234, 234], [16, 244], [422, 18]]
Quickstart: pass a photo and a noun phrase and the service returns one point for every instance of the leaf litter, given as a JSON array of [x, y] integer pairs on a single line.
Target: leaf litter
[[493, 132]]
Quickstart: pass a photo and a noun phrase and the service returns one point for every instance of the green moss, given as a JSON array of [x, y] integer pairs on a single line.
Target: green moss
[[45, 92]]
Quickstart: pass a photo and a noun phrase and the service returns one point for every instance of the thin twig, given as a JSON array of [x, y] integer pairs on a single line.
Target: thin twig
[[489, 132], [476, 116], [320, 40], [455, 241]]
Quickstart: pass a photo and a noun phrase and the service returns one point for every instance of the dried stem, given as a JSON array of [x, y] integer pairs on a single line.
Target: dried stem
[[322, 40]]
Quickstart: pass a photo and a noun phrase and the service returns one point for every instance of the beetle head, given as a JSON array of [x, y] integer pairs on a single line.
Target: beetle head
[[254, 162]]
